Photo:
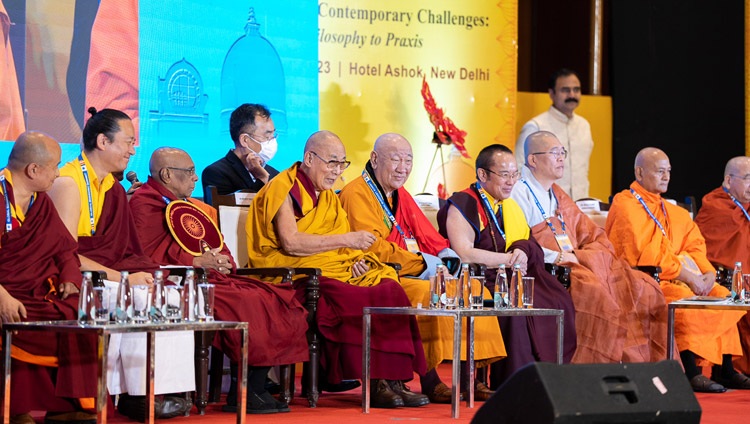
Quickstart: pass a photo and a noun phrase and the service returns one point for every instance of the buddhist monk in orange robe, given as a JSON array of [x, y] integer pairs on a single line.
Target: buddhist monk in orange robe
[[383, 178], [724, 222], [296, 220], [621, 315], [646, 230]]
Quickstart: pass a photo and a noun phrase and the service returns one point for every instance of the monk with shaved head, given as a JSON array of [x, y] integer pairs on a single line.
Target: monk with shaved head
[[620, 312], [39, 281], [377, 202], [296, 220], [277, 320], [724, 222], [648, 231]]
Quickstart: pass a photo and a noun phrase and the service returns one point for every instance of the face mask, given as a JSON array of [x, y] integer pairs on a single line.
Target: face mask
[[268, 150]]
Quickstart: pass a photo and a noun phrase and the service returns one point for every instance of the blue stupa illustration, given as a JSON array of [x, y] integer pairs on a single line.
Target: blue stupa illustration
[[182, 102], [252, 73]]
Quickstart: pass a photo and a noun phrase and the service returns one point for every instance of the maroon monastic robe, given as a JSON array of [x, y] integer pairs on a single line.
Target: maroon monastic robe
[[277, 321], [527, 339], [34, 258]]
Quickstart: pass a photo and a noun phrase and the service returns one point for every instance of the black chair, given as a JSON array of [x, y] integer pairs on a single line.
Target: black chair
[[651, 270]]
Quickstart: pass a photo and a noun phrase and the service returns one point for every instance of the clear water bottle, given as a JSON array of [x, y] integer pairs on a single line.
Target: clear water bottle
[[463, 287], [737, 286], [514, 288], [158, 302], [86, 300], [188, 296], [124, 307], [436, 285], [500, 295]]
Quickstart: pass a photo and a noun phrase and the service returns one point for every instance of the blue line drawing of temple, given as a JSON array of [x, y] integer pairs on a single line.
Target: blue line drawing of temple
[[182, 102]]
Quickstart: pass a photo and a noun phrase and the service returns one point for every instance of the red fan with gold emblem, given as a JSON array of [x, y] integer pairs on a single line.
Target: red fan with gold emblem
[[192, 228]]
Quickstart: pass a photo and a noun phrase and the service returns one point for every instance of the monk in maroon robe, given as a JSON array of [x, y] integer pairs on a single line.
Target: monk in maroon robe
[[39, 275], [277, 321]]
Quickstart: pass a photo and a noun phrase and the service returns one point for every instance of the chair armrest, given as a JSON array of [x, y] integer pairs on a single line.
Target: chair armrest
[[285, 273], [651, 270], [561, 272], [452, 263], [723, 275]]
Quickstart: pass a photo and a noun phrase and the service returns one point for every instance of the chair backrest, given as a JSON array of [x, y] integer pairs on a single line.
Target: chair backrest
[[430, 204], [232, 215], [689, 205]]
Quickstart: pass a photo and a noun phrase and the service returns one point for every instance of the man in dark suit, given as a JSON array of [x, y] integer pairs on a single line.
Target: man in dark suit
[[245, 166]]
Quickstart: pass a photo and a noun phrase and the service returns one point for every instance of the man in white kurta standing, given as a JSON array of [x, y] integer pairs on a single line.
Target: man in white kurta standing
[[573, 131]]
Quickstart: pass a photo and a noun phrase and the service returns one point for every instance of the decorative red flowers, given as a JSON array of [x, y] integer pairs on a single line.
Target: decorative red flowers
[[446, 131]]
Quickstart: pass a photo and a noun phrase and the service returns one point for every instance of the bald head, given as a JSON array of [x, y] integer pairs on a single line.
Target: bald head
[[33, 147], [324, 159], [545, 157], [33, 161], [539, 141], [174, 169], [653, 170], [392, 161], [737, 178], [322, 139]]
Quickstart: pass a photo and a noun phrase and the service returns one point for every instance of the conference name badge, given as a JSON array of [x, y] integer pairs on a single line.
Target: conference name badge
[[564, 242], [411, 245]]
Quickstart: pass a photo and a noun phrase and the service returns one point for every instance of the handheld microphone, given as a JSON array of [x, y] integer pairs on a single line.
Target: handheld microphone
[[132, 177]]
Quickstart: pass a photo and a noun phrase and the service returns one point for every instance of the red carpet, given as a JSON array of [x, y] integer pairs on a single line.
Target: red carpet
[[725, 408]]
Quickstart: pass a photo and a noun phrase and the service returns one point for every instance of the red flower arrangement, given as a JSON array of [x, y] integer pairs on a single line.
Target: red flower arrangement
[[446, 131]]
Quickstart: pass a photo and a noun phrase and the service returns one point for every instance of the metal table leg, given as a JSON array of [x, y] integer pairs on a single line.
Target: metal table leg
[[367, 323], [242, 380], [470, 359], [560, 332], [150, 362], [101, 377], [456, 386], [7, 336], [670, 331]]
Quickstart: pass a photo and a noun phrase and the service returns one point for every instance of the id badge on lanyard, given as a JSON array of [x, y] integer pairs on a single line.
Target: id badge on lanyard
[[411, 244], [564, 242]]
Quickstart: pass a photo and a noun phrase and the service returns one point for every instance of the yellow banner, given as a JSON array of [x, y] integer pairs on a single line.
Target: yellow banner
[[373, 56]]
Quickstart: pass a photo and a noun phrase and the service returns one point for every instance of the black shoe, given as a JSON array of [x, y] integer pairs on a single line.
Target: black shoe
[[280, 406], [736, 381], [343, 386], [134, 407], [272, 387], [75, 417], [382, 396], [261, 405], [410, 398], [702, 384]]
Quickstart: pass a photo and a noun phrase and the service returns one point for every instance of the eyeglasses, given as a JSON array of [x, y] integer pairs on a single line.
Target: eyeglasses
[[562, 153], [333, 164], [189, 171], [262, 138], [505, 175], [744, 178]]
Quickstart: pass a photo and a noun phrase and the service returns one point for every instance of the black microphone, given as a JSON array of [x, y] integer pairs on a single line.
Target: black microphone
[[130, 176]]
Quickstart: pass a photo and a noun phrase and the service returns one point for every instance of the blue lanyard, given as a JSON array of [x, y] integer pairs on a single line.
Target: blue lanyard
[[737, 202], [651, 214], [383, 205], [544, 214], [88, 192], [8, 220], [166, 199], [486, 204]]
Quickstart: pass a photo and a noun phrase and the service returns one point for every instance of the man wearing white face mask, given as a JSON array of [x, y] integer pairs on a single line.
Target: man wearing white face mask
[[245, 166]]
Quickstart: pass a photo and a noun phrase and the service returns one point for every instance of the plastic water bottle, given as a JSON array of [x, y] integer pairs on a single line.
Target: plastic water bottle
[[124, 307], [435, 287], [463, 286], [514, 288], [737, 286], [500, 296], [158, 302], [86, 300], [188, 296]]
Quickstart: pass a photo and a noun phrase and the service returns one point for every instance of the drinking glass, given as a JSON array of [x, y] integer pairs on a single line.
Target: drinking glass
[[204, 302], [527, 285], [476, 287], [141, 303], [101, 305], [171, 310], [450, 292]]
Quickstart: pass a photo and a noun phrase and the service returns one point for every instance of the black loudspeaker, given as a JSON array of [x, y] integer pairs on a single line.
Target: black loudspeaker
[[593, 393]]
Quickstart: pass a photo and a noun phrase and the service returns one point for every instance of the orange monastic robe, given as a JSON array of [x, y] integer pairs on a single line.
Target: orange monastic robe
[[727, 232], [366, 214], [637, 238]]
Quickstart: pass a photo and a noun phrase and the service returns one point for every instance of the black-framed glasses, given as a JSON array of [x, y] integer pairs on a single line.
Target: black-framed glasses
[[189, 171], [562, 153], [333, 164], [744, 178], [262, 138], [505, 174]]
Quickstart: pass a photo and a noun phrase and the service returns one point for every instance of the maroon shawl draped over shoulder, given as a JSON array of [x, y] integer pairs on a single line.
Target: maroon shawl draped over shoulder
[[34, 258], [527, 339], [277, 321], [115, 243]]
